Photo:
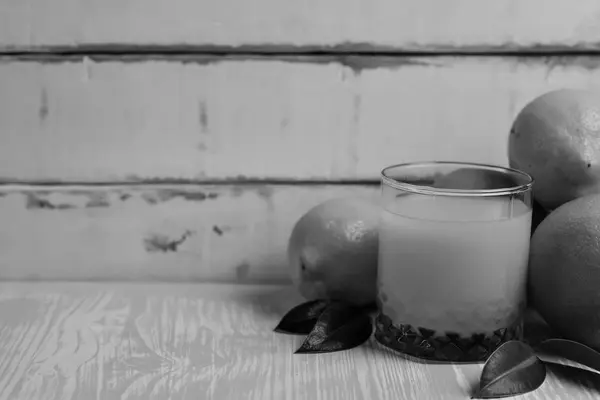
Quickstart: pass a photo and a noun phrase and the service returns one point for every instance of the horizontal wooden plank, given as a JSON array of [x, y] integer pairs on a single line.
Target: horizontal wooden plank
[[356, 25], [229, 118], [219, 233]]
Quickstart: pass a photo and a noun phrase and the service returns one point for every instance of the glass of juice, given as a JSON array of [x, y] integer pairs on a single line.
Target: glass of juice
[[453, 254]]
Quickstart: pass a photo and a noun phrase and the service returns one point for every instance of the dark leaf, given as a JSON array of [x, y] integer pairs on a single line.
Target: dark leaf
[[571, 350], [301, 319], [340, 327], [511, 370], [586, 380]]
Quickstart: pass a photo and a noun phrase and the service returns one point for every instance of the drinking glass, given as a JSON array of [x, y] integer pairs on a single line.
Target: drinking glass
[[453, 254]]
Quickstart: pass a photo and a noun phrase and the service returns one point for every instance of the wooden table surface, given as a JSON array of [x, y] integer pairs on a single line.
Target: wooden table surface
[[198, 341]]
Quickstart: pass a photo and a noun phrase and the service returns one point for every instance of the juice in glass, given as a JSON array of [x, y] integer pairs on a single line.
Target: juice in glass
[[452, 259]]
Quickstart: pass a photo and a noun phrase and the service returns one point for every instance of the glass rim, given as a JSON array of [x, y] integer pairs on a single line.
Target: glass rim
[[429, 190]]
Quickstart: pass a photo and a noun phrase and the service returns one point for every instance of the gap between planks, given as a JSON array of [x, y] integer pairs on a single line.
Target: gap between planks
[[206, 56], [357, 62], [7, 185], [348, 49]]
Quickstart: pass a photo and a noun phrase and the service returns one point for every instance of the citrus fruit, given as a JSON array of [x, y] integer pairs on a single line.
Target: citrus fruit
[[333, 248], [556, 139], [564, 270]]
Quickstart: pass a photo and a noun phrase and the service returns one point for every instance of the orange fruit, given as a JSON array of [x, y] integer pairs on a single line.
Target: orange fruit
[[556, 139], [333, 248], [564, 270]]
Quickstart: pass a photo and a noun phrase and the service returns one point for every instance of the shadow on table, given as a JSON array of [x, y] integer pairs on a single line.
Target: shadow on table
[[377, 347], [471, 379], [273, 301], [574, 376]]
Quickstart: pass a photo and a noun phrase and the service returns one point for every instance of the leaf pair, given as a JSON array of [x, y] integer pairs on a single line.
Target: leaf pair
[[330, 325], [514, 367]]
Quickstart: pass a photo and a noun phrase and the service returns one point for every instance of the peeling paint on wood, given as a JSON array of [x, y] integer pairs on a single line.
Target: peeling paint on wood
[[97, 203], [357, 63], [63, 198], [242, 271], [163, 195], [590, 62], [237, 190], [97, 200], [155, 180], [339, 126], [53, 58], [203, 117], [162, 243], [176, 239], [47, 200], [188, 195], [265, 192], [362, 63], [35, 202], [43, 111]]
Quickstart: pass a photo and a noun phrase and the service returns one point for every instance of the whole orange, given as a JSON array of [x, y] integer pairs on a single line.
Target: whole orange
[[556, 139], [564, 270], [333, 248]]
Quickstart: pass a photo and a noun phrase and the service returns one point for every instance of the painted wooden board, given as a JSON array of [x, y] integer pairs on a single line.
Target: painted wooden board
[[222, 233], [383, 25], [61, 341], [131, 119]]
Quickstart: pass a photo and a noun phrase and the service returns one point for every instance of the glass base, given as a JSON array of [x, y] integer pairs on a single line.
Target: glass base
[[442, 346]]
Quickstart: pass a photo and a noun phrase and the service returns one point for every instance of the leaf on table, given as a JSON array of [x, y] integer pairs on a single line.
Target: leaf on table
[[511, 370], [571, 350], [340, 326], [301, 319]]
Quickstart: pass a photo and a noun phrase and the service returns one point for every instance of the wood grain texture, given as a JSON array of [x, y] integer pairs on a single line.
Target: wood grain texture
[[130, 119], [84, 341], [339, 24], [226, 233]]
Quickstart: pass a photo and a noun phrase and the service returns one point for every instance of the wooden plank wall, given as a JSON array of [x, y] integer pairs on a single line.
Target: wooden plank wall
[[180, 140]]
